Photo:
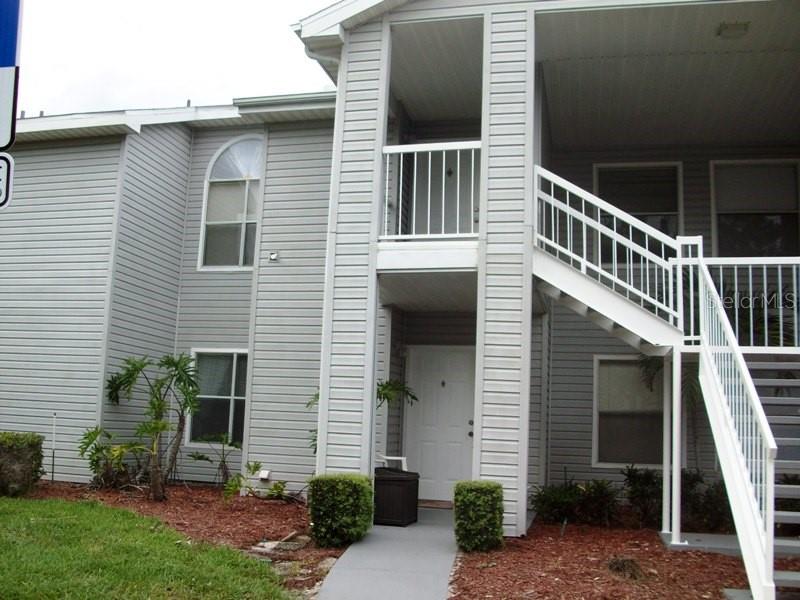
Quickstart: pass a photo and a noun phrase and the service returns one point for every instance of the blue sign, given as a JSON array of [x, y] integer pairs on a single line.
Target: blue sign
[[9, 69], [9, 32]]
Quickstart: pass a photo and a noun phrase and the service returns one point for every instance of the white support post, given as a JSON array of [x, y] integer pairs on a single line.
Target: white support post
[[676, 446], [665, 471]]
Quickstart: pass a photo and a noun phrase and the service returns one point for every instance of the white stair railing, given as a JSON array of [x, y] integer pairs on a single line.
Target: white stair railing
[[744, 441], [671, 279], [607, 244]]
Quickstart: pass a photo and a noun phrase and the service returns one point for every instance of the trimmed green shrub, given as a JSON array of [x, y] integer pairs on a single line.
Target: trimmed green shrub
[[597, 502], [556, 503], [20, 462], [478, 508], [643, 490], [717, 508], [340, 507]]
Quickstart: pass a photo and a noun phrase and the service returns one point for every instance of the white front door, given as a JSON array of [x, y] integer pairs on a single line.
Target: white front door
[[438, 428]]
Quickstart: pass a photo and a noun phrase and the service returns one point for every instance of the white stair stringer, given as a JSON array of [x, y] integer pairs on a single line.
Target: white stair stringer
[[734, 472], [605, 307]]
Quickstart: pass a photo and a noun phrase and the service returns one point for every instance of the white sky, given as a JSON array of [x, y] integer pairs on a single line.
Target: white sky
[[88, 55]]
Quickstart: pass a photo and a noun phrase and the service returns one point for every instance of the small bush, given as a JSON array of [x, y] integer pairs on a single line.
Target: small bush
[[643, 490], [340, 508], [478, 508], [555, 503], [594, 502], [597, 502], [20, 462]]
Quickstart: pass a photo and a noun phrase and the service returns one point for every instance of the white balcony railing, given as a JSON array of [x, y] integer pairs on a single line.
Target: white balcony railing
[[431, 190], [760, 297]]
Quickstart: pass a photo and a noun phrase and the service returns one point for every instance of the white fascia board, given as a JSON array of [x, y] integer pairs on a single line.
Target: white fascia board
[[347, 14], [128, 121]]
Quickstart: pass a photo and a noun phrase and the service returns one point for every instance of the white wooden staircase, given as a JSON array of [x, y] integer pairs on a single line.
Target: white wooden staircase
[[657, 293]]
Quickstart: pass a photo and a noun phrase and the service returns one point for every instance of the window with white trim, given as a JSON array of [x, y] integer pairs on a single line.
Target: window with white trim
[[231, 205], [628, 413], [757, 209], [223, 384]]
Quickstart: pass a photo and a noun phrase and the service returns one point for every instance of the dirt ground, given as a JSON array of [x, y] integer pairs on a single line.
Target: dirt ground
[[575, 567], [200, 512]]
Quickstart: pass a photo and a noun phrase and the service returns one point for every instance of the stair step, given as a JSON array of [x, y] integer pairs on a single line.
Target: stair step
[[787, 491], [783, 420], [774, 366], [787, 516], [772, 382], [780, 400], [787, 466], [782, 442], [789, 579]]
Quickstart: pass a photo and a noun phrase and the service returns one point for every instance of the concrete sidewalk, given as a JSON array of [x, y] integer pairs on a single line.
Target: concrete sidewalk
[[397, 563]]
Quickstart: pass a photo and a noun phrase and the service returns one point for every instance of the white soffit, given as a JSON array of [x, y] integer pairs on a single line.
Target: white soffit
[[436, 69], [662, 76], [446, 291]]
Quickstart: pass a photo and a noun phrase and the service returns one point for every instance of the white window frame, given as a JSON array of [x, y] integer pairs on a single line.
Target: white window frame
[[712, 170], [187, 441], [678, 165], [206, 184], [597, 359]]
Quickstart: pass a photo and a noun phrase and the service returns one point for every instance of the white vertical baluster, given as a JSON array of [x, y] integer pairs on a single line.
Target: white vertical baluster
[[472, 194], [794, 302], [414, 199], [736, 305], [458, 192], [750, 296], [400, 202], [780, 304], [444, 184], [430, 174], [766, 297], [387, 158]]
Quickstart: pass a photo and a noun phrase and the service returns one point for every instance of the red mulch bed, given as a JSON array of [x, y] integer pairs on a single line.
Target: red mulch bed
[[200, 512], [575, 567]]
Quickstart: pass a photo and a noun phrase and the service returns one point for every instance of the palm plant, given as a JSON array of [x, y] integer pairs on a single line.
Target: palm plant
[[173, 387]]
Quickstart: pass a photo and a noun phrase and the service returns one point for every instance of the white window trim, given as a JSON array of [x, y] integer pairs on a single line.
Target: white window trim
[[202, 243], [712, 165], [187, 434], [597, 359], [644, 165]]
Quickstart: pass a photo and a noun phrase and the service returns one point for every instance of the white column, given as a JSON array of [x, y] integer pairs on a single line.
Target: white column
[[676, 446], [665, 471]]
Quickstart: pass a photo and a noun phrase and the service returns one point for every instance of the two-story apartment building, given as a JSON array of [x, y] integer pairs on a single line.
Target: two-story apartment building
[[504, 204]]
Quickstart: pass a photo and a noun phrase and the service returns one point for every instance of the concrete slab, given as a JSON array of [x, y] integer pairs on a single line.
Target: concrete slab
[[397, 563]]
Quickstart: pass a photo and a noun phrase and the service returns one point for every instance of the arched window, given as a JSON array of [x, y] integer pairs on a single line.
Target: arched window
[[231, 205]]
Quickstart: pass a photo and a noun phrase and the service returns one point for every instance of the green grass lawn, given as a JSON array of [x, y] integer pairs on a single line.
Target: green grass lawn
[[60, 549]]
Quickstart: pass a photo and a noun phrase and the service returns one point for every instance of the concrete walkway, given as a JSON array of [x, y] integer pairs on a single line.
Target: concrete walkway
[[397, 563]]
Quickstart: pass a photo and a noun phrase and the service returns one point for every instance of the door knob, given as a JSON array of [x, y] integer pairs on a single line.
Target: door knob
[[470, 434]]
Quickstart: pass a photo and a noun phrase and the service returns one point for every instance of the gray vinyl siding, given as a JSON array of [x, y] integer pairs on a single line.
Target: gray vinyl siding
[[147, 258], [214, 307], [288, 300], [351, 292], [575, 342], [56, 242], [505, 274], [397, 371], [538, 393]]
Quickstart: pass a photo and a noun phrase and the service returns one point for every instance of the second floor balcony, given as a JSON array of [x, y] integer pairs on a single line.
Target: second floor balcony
[[432, 191]]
